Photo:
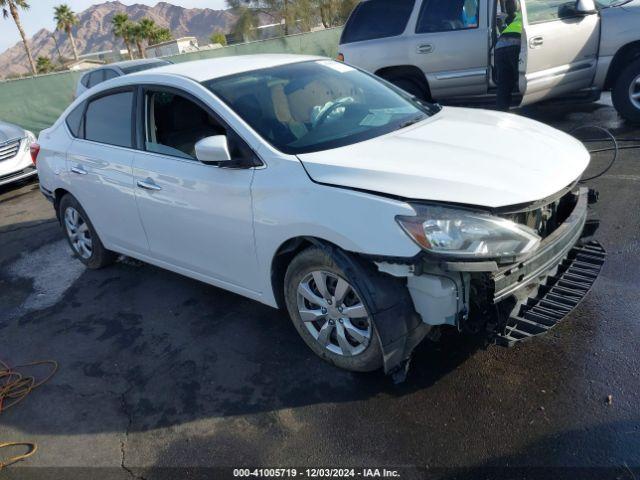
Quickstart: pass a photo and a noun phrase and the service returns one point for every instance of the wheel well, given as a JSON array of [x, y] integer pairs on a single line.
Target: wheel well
[[58, 194], [622, 58], [406, 71], [283, 257]]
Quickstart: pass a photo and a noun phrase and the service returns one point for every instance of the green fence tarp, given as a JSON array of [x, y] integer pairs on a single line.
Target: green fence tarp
[[35, 103]]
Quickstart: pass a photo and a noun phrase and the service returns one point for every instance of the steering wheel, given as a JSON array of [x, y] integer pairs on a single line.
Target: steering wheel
[[323, 117]]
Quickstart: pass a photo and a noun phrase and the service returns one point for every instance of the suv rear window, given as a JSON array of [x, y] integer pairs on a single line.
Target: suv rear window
[[377, 19]]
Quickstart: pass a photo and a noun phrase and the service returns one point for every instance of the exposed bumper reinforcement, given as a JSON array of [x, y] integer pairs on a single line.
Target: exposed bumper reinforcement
[[557, 297]]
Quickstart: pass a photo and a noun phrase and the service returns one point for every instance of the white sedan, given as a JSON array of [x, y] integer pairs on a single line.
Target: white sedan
[[15, 157], [306, 184]]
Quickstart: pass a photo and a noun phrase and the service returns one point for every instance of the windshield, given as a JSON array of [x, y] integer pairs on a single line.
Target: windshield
[[312, 106]]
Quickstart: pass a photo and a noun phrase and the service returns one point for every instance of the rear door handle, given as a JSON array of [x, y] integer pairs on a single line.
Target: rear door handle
[[79, 170], [425, 48], [536, 42], [148, 185]]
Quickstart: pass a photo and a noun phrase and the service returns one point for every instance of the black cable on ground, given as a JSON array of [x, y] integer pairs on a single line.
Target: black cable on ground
[[616, 148]]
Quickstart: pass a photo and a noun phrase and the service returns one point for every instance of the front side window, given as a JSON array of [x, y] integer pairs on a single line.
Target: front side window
[[312, 106], [539, 11], [377, 19], [108, 119], [174, 124], [448, 15]]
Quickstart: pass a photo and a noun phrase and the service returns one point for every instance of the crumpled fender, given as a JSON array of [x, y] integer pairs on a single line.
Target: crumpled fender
[[398, 326]]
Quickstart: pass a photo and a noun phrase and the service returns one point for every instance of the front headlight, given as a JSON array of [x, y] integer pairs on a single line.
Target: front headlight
[[467, 234]]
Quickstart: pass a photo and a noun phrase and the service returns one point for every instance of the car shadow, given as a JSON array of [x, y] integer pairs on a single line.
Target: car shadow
[[164, 350]]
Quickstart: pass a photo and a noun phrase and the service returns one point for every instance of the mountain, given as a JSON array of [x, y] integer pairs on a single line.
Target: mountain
[[93, 32]]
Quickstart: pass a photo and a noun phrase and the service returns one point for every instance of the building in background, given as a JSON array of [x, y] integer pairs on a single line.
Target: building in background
[[173, 47]]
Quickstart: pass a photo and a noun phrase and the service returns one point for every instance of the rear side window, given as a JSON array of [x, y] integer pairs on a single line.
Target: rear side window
[[108, 119], [448, 15], [74, 121], [377, 19]]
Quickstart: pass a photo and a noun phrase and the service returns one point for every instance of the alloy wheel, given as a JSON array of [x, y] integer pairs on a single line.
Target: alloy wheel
[[634, 92], [333, 313], [78, 233]]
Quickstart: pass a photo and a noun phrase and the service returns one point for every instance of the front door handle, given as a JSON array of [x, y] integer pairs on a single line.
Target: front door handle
[[148, 185], [536, 42], [79, 170], [425, 48]]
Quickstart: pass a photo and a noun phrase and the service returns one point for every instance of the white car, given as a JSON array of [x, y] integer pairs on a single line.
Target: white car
[[307, 184], [102, 74], [15, 158]]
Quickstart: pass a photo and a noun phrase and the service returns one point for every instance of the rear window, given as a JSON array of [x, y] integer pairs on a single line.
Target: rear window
[[377, 19], [144, 66]]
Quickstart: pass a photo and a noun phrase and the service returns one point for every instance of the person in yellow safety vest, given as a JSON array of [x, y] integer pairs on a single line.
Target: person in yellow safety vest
[[507, 55]]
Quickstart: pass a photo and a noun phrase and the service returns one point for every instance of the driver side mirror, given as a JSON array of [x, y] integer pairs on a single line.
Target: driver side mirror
[[586, 7], [213, 150]]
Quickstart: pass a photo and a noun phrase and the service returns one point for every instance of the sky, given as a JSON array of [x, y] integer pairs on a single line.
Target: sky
[[40, 15]]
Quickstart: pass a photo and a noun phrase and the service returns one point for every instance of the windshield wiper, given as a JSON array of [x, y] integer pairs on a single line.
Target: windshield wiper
[[413, 121]]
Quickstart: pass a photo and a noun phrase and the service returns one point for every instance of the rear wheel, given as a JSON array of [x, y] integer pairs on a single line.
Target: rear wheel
[[626, 92], [81, 235], [329, 312]]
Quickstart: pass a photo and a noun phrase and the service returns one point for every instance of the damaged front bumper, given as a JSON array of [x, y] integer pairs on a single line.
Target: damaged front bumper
[[508, 303]]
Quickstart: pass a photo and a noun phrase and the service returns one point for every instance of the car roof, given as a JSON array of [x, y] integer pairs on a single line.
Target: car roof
[[202, 70]]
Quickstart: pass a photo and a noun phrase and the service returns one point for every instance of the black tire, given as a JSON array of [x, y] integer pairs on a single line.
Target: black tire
[[314, 259], [411, 86], [99, 256], [620, 94]]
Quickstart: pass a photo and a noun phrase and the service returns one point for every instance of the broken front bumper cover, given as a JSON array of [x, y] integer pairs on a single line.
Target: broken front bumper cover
[[557, 297]]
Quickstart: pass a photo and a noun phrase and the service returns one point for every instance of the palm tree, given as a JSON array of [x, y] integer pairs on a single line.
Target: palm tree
[[44, 65], [159, 35], [135, 34], [147, 29], [11, 7], [65, 20], [120, 28]]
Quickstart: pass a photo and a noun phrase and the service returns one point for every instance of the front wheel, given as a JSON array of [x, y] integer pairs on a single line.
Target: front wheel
[[626, 92], [327, 308], [81, 235]]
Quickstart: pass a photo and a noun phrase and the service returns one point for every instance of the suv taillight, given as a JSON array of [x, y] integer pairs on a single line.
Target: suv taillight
[[34, 149]]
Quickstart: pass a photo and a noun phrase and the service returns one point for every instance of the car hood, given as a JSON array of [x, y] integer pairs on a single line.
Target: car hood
[[10, 132], [466, 156]]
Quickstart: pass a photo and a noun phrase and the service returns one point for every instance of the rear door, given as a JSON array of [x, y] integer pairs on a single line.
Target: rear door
[[451, 46], [559, 50], [100, 168]]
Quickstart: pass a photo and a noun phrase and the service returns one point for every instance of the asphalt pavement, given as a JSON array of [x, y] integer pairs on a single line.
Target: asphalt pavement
[[157, 370]]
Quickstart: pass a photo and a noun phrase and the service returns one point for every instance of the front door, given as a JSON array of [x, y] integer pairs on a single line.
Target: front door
[[559, 50], [198, 217], [451, 45]]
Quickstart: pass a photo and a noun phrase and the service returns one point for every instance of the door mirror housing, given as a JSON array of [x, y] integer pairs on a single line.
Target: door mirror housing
[[586, 7], [213, 150]]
